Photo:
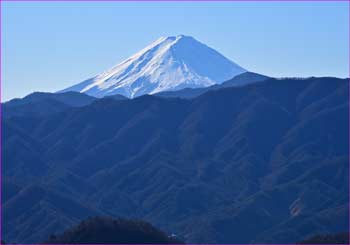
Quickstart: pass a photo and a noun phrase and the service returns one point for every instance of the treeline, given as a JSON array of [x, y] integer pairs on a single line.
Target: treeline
[[340, 238], [105, 230]]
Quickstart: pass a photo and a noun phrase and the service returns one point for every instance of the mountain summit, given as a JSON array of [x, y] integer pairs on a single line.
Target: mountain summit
[[169, 63]]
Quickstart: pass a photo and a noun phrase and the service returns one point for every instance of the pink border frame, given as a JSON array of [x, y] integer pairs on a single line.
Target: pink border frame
[[151, 1], [174, 0]]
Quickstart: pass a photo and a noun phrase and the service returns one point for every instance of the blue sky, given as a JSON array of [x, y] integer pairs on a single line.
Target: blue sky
[[47, 46]]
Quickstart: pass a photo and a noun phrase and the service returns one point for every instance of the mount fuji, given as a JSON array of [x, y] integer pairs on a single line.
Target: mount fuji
[[168, 64]]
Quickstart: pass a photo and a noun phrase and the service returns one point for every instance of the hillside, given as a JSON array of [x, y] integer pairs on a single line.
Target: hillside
[[261, 163]]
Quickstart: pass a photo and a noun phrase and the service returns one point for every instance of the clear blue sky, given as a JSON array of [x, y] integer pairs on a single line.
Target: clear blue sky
[[48, 46]]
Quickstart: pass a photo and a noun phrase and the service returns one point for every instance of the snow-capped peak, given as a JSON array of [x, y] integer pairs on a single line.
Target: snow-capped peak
[[169, 63]]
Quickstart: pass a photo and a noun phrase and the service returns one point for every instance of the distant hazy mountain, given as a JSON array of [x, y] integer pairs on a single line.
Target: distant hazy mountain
[[68, 98], [104, 230], [169, 63], [40, 103], [267, 162]]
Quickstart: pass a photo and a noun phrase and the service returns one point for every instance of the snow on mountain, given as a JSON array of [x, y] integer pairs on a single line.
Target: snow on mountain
[[169, 63]]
